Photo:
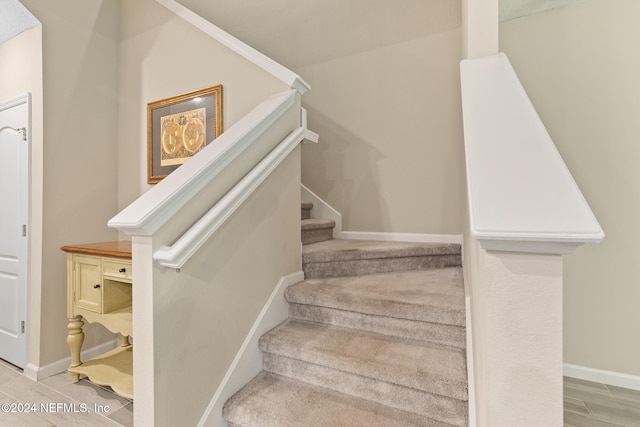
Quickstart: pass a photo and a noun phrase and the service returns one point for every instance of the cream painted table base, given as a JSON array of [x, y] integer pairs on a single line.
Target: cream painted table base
[[99, 291]]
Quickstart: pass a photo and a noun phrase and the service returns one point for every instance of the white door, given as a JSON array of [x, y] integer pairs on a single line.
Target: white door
[[15, 142]]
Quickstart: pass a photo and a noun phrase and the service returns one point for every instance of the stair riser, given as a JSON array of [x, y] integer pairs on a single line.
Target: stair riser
[[441, 408], [315, 236], [305, 213], [454, 336], [317, 270]]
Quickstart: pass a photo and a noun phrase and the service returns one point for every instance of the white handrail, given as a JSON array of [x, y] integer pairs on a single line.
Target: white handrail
[[176, 255], [154, 208], [522, 196], [272, 67]]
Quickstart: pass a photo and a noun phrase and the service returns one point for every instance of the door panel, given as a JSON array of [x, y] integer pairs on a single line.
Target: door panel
[[14, 225]]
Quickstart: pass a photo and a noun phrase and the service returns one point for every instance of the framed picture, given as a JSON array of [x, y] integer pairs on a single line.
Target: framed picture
[[179, 127]]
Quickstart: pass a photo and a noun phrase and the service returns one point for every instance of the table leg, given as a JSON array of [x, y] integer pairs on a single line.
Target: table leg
[[124, 340], [74, 341]]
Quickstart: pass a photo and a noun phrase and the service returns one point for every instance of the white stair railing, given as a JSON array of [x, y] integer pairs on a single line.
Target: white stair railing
[[241, 191], [157, 206], [177, 254]]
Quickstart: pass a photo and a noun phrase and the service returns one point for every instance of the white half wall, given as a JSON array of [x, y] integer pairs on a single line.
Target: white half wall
[[516, 308]]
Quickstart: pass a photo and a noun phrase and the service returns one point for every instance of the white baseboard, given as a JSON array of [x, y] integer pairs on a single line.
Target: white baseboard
[[402, 237], [601, 376], [37, 373], [322, 209], [471, 372], [248, 361]]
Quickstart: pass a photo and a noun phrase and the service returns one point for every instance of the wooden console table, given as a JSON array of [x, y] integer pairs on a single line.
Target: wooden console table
[[99, 290]]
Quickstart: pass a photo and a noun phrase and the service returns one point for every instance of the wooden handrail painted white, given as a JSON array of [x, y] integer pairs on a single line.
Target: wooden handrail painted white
[[309, 136], [176, 255], [269, 65], [154, 208], [522, 196]]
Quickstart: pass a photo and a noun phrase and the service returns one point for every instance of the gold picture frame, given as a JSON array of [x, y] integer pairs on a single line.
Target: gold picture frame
[[179, 127]]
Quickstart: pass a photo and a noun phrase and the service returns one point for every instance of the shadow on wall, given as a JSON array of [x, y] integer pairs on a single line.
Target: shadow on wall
[[344, 173]]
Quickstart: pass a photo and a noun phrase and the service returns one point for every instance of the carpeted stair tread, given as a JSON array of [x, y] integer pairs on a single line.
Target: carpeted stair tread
[[344, 249], [316, 224], [433, 406], [416, 364], [375, 337], [435, 296], [305, 210], [338, 257], [450, 335], [274, 401], [316, 230]]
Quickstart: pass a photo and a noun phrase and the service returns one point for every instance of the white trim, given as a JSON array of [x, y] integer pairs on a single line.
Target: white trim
[[530, 246], [322, 209], [248, 361], [283, 74], [402, 237], [38, 373], [309, 136], [601, 376], [471, 378], [154, 208], [471, 372], [521, 194], [176, 255]]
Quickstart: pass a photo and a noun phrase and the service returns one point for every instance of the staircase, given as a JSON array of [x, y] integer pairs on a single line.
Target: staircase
[[375, 337]]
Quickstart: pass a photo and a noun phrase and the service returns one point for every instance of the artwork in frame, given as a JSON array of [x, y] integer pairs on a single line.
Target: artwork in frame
[[179, 127]]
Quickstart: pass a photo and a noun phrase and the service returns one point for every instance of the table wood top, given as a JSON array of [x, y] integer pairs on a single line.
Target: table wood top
[[119, 249]]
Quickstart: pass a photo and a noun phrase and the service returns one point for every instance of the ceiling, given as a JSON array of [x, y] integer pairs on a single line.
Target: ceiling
[[14, 19], [298, 33], [329, 17], [303, 32]]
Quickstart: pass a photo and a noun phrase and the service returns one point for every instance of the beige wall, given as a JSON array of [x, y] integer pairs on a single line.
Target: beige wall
[[389, 118], [211, 304], [385, 100], [388, 115], [160, 55], [390, 151], [580, 66], [21, 72], [100, 62], [78, 171]]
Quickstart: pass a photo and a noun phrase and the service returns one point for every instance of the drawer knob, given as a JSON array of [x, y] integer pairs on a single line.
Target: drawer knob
[[123, 270], [96, 286]]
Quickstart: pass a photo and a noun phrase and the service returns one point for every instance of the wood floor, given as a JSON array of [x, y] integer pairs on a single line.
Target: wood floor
[[589, 404], [586, 404], [56, 401]]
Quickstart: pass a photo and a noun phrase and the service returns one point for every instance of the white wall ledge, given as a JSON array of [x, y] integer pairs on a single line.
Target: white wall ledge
[[522, 196]]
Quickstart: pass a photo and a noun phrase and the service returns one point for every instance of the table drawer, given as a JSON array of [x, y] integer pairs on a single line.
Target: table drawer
[[117, 270]]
